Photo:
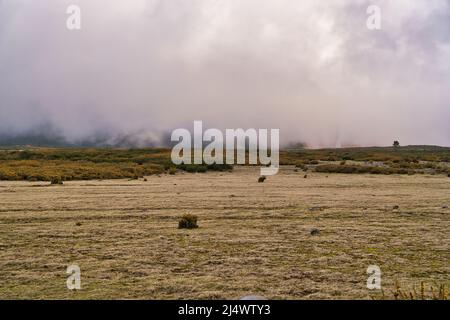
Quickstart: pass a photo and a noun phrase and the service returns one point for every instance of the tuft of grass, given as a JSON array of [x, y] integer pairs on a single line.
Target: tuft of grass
[[188, 221], [438, 293]]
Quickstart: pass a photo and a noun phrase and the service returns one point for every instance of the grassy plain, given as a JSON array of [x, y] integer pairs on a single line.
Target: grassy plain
[[253, 238]]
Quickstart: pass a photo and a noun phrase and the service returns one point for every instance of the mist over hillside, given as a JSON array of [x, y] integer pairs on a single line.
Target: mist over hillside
[[51, 137], [139, 69]]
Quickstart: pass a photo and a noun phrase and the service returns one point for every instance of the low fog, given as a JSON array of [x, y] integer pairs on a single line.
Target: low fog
[[138, 69]]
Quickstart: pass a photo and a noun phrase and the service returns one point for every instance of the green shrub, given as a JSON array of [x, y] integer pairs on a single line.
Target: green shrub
[[25, 155], [204, 167], [219, 167], [353, 169], [188, 221], [347, 157], [56, 181]]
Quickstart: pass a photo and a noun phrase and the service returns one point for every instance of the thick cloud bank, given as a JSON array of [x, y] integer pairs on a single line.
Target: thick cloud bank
[[140, 68]]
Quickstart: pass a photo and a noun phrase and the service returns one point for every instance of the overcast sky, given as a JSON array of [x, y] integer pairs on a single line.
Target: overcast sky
[[310, 68]]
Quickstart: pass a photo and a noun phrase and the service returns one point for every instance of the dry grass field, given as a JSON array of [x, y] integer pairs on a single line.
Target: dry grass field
[[254, 238]]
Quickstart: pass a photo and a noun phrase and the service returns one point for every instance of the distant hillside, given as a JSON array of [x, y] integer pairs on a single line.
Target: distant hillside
[[58, 141]]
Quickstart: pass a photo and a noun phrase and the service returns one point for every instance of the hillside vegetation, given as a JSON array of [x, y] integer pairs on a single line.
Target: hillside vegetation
[[65, 164], [48, 164]]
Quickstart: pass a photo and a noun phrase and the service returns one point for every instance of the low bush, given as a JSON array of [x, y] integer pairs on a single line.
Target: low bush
[[354, 169], [301, 166], [188, 221], [56, 181], [204, 167]]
